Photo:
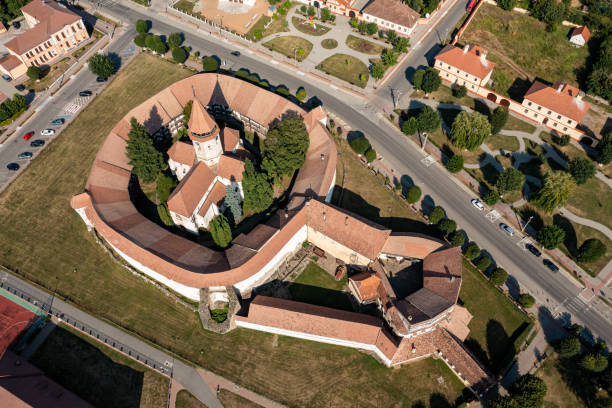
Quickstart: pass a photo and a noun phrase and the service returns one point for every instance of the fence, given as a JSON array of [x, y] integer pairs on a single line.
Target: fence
[[47, 306]]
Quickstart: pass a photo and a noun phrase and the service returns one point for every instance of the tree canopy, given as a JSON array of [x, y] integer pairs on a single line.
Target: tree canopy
[[285, 147], [410, 126], [435, 215], [569, 347], [401, 44], [528, 391], [604, 149], [550, 236], [179, 55], [431, 80], [34, 72], [581, 169], [378, 71], [550, 12], [147, 162], [165, 185], [470, 130], [455, 163], [499, 276], [233, 204], [447, 226], [142, 26], [508, 5], [258, 192], [101, 65], [591, 250], [175, 40], [510, 180], [428, 119], [594, 362], [209, 64], [413, 194], [472, 251], [220, 230], [498, 119], [557, 189]]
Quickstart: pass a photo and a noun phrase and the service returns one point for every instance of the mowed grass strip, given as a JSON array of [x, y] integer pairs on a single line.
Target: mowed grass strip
[[364, 46], [558, 393], [185, 399], [98, 374], [230, 400], [498, 327], [506, 143], [316, 286], [47, 247], [347, 68], [289, 46]]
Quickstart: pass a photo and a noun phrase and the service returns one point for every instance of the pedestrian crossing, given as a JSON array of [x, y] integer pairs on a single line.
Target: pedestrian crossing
[[76, 105]]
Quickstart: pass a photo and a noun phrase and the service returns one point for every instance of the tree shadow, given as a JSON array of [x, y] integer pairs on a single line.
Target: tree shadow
[[115, 59], [437, 400], [476, 349], [354, 134], [481, 107], [320, 296], [571, 240], [447, 153], [500, 346], [514, 287], [518, 89]]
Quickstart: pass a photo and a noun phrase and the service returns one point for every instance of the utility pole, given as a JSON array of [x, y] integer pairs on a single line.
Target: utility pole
[[527, 223], [395, 96], [425, 141]]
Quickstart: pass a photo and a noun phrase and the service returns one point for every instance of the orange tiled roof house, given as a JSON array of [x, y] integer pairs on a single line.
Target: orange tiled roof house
[[53, 30], [559, 107], [425, 323]]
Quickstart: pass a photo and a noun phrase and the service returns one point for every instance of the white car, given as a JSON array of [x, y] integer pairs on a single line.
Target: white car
[[47, 132], [478, 204]]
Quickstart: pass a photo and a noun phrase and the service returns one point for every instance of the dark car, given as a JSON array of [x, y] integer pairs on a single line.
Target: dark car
[[550, 265], [6, 78], [85, 93], [58, 121], [12, 166], [28, 136], [533, 249], [236, 53], [100, 79], [16, 24], [24, 155], [20, 87], [37, 143]]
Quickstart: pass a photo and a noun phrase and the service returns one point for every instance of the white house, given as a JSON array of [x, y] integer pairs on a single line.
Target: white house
[[467, 66], [391, 15], [580, 36]]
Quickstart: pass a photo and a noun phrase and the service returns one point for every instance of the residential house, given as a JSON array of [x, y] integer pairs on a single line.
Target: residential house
[[53, 30], [580, 36], [391, 15], [467, 66]]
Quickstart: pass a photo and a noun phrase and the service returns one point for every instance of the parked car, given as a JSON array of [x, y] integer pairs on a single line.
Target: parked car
[[6, 78], [236, 53], [12, 166], [85, 93], [58, 121], [550, 265], [20, 87], [37, 143], [471, 5], [506, 229], [47, 132], [100, 79], [24, 155], [16, 24], [28, 136], [478, 204], [533, 250]]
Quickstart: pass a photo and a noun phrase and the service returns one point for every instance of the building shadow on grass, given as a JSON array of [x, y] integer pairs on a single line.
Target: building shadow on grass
[[320, 296], [85, 370]]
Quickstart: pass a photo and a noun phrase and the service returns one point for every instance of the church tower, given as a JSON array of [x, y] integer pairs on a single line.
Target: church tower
[[204, 133]]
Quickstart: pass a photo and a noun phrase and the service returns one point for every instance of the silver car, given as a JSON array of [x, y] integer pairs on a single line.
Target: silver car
[[47, 132], [506, 229]]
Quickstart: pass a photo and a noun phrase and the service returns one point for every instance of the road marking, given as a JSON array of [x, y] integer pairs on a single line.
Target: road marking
[[334, 87], [300, 73], [250, 51], [274, 62]]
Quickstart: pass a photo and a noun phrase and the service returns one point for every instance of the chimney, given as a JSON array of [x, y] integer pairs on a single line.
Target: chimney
[[580, 95], [413, 349], [324, 216], [483, 58], [466, 48], [346, 221], [322, 156], [560, 87], [452, 278]]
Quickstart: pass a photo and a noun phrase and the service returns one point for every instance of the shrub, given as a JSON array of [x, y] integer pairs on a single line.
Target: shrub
[[370, 155], [220, 230], [174, 40], [34, 72], [483, 263], [142, 26], [594, 362], [360, 145], [581, 169], [498, 119], [435, 215], [564, 140], [413, 194], [569, 347], [510, 180], [101, 65], [490, 197], [303, 10], [378, 71], [219, 315], [209, 64], [165, 185], [508, 5], [550, 236], [455, 163], [353, 21], [311, 11], [417, 78], [179, 55], [460, 91], [456, 238], [164, 215], [141, 39], [447, 226], [300, 94], [410, 126], [428, 119], [526, 300], [371, 28], [499, 276], [591, 250], [472, 251]]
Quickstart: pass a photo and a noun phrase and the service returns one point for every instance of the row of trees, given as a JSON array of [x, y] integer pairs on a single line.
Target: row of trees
[[11, 107], [550, 12], [390, 56], [361, 145], [423, 7]]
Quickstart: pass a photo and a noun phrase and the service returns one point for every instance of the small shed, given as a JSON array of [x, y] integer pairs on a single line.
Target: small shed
[[580, 36]]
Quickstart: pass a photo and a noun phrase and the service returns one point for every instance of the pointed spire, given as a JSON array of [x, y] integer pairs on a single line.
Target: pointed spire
[[201, 124]]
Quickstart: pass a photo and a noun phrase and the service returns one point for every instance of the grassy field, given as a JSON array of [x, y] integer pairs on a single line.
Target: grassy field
[[523, 49], [571, 151], [592, 200], [276, 26], [302, 26], [284, 370], [498, 327], [50, 75], [507, 143], [558, 394], [97, 373], [514, 123], [287, 45], [230, 400], [347, 68], [185, 399], [329, 43], [316, 286], [367, 47], [185, 6]]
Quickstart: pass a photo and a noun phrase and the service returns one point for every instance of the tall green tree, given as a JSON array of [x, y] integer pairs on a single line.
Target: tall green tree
[[498, 119], [508, 5], [510, 180], [529, 391], [604, 149], [164, 187], [233, 203], [470, 130], [472, 251], [145, 160], [591, 250], [550, 236], [410, 126], [371, 28], [557, 189], [285, 147], [401, 45], [594, 362], [417, 79], [390, 58], [209, 64], [179, 55], [569, 347], [101, 65], [142, 26], [436, 215], [428, 119], [581, 169], [34, 72], [431, 80], [175, 40], [378, 71], [220, 230], [258, 192], [550, 12]]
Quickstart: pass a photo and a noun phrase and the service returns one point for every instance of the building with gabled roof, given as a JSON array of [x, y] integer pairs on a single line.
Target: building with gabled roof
[[580, 36], [467, 66], [391, 15]]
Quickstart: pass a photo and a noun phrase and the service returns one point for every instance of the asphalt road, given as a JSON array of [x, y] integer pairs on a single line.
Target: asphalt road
[[61, 105]]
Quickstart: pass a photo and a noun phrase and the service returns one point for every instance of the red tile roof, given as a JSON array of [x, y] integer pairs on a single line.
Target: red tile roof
[[583, 31], [367, 285], [216, 196], [560, 98], [182, 152], [442, 273], [230, 168], [392, 10], [10, 62], [186, 196], [230, 138], [200, 122], [471, 59], [52, 18]]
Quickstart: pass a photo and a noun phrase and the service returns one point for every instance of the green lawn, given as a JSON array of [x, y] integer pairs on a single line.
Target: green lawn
[[302, 26], [514, 123], [329, 43], [288, 45], [570, 152], [230, 400], [523, 49], [498, 328], [185, 399], [97, 373], [346, 68], [507, 143], [185, 6], [558, 394], [276, 26], [316, 286], [284, 370], [367, 47], [50, 75]]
